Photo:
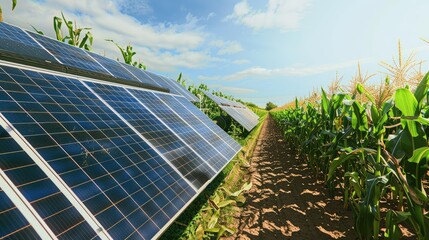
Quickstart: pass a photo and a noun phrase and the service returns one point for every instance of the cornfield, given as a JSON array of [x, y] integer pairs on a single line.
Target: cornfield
[[375, 154]]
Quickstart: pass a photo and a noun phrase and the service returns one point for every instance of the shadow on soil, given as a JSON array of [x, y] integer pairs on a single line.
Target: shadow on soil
[[286, 201]]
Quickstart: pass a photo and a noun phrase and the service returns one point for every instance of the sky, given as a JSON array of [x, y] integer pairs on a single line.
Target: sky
[[254, 50]]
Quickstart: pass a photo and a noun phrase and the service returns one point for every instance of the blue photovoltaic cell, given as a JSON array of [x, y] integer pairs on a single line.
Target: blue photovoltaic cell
[[130, 189], [139, 75], [165, 141], [58, 213], [13, 224], [69, 55], [179, 127], [193, 109], [16, 41], [174, 87], [114, 67], [204, 130], [181, 89]]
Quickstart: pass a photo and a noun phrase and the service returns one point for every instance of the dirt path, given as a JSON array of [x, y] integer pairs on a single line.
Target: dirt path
[[286, 201]]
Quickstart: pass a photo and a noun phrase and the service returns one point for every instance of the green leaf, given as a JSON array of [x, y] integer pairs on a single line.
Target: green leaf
[[39, 32], [13, 4], [345, 157], [416, 168], [406, 102], [213, 230], [422, 88], [57, 27], [214, 219], [226, 203], [393, 218], [199, 232]]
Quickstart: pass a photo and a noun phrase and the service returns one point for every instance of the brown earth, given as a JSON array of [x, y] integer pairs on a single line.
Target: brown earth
[[286, 201]]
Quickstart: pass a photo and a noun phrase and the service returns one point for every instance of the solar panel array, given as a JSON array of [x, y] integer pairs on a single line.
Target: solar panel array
[[88, 158], [238, 111]]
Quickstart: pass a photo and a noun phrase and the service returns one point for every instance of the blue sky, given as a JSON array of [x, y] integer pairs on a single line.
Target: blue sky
[[256, 50]]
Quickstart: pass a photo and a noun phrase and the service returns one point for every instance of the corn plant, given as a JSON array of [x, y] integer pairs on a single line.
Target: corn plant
[[373, 151], [1, 11], [210, 222], [73, 36], [128, 54]]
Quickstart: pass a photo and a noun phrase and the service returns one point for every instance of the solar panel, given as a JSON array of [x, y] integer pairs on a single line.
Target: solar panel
[[240, 113], [208, 122], [96, 159], [174, 86], [12, 221], [52, 206], [140, 75], [209, 134], [15, 41], [181, 89], [69, 55], [130, 189], [194, 168], [113, 67], [182, 129]]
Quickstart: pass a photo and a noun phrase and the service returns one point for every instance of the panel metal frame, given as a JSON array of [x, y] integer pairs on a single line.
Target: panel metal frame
[[25, 207], [38, 159], [138, 133], [169, 128], [55, 178]]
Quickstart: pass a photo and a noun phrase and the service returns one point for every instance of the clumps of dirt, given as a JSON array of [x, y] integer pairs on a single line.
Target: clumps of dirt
[[286, 200]]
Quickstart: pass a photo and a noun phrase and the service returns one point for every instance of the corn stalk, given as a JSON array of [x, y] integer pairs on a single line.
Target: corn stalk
[[1, 11]]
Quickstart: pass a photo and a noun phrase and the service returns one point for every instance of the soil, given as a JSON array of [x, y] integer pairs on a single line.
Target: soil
[[286, 200]]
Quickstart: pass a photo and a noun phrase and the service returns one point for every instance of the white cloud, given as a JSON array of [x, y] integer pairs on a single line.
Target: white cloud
[[260, 72], [279, 14], [235, 90], [211, 15], [162, 47], [226, 47]]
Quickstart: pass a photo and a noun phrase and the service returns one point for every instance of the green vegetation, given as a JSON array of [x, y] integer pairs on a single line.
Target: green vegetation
[[128, 54], [211, 214], [270, 106], [374, 152], [1, 11], [212, 110], [74, 33]]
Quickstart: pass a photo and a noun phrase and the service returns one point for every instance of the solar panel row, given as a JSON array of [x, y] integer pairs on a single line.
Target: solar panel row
[[239, 112], [29, 45], [131, 158]]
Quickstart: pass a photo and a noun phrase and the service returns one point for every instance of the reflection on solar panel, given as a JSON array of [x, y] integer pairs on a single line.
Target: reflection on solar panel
[[140, 75], [68, 55], [207, 121], [15, 41], [207, 133], [47, 200], [14, 225], [82, 158], [240, 113], [180, 155], [181, 128], [23, 46], [174, 86]]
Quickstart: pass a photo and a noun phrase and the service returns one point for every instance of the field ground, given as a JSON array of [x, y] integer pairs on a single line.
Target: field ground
[[286, 200]]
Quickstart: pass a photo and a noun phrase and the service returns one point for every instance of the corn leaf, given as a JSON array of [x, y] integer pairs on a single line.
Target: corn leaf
[[422, 88], [213, 219]]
